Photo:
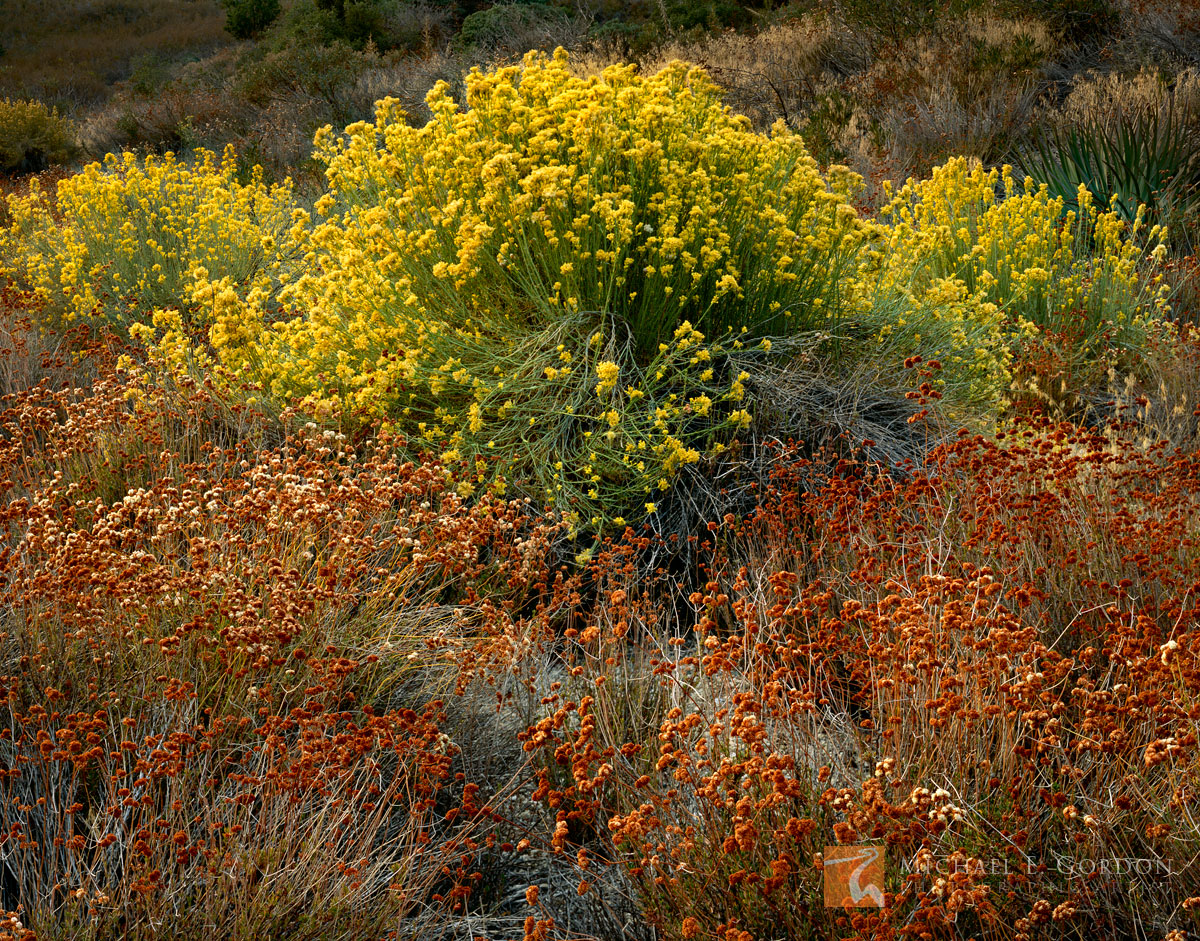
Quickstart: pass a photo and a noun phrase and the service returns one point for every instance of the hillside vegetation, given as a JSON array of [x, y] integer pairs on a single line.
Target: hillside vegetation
[[567, 497]]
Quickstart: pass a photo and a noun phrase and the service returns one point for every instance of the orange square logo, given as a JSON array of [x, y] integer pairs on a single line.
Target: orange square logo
[[853, 876]]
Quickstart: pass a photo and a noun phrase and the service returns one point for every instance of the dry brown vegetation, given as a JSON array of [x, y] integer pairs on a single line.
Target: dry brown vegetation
[[261, 678], [71, 53]]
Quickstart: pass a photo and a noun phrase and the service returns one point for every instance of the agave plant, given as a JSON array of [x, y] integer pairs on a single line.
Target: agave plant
[[1149, 159]]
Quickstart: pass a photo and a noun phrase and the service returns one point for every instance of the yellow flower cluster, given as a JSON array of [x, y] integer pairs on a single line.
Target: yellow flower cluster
[[127, 237], [607, 371], [551, 195], [977, 236]]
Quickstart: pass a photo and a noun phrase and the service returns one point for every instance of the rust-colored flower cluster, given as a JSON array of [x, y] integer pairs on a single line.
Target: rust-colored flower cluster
[[233, 647], [986, 665], [218, 657]]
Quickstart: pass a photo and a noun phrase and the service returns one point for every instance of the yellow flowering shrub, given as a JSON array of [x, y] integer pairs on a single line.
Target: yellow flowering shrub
[[1084, 276], [942, 321], [128, 237], [561, 278], [549, 194]]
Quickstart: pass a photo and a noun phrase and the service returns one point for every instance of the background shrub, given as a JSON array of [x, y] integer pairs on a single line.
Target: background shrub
[[1076, 21], [121, 242], [247, 18], [321, 75], [385, 25], [969, 89], [513, 28], [33, 136], [74, 53], [902, 19]]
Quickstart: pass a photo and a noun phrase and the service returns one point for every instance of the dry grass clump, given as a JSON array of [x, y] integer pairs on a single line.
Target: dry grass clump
[[969, 90], [981, 120], [1163, 403], [1146, 91], [1160, 32]]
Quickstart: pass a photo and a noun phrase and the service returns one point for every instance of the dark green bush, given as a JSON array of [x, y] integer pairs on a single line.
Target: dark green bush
[[513, 28], [245, 19], [706, 14], [33, 137], [895, 21], [318, 72], [1021, 54], [631, 39], [637, 28], [384, 24], [1075, 21], [149, 74], [824, 124]]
